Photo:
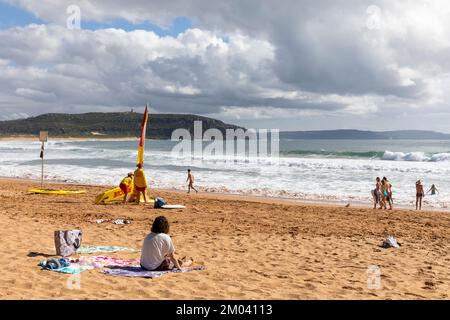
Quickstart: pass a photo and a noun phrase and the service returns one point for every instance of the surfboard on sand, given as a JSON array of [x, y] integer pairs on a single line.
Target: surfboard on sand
[[51, 191], [117, 194], [173, 206]]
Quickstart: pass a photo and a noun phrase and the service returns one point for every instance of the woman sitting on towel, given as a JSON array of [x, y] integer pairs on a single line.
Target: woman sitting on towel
[[158, 250]]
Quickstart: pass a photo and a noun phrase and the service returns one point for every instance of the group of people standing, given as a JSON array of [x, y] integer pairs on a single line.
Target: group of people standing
[[420, 193], [382, 194], [138, 181]]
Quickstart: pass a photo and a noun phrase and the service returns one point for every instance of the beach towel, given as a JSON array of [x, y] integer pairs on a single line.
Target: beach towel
[[63, 266], [73, 269], [137, 271], [102, 249], [117, 221], [83, 263], [121, 221], [103, 261]]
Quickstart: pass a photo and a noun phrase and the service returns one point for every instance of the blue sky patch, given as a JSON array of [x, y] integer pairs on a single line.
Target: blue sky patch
[[12, 16], [178, 26]]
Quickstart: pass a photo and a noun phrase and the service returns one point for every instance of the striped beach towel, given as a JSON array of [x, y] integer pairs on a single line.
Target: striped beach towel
[[137, 271]]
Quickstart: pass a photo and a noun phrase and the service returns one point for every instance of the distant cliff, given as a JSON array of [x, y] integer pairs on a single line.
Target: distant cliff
[[105, 125], [369, 135]]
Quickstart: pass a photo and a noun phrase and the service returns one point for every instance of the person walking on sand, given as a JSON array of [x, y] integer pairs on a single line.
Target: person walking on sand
[[125, 185], [140, 183], [433, 190], [190, 180], [158, 251], [377, 193], [419, 195]]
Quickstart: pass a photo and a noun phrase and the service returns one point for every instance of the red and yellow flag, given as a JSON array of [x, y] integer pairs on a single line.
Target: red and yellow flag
[[140, 158]]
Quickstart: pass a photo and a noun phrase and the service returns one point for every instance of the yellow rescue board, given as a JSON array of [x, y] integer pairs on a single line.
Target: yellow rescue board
[[50, 191], [117, 194]]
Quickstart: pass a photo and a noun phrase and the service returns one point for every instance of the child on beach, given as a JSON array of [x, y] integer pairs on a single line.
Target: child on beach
[[125, 185], [158, 250], [419, 194], [140, 183], [190, 180]]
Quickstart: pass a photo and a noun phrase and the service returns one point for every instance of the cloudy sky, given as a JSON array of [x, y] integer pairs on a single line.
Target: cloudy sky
[[292, 65]]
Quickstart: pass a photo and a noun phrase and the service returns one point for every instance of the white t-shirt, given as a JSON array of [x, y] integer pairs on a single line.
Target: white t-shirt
[[156, 246]]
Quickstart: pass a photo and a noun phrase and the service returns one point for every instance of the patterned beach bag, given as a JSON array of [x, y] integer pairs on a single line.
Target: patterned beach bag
[[67, 242], [159, 202]]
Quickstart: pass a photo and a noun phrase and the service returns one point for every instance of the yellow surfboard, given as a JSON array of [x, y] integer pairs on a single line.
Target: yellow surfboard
[[117, 194], [51, 191]]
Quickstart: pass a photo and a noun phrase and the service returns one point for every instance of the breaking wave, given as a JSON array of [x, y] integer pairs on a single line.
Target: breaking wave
[[386, 155]]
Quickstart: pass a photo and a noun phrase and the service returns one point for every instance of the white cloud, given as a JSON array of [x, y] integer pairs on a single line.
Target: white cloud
[[14, 116], [290, 58], [231, 113], [35, 94], [113, 67]]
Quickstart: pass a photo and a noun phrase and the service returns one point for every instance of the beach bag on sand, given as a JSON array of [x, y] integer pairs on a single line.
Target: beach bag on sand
[[390, 242], [54, 264], [159, 202], [67, 242]]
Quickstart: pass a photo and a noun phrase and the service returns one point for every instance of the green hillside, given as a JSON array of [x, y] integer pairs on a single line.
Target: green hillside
[[119, 124]]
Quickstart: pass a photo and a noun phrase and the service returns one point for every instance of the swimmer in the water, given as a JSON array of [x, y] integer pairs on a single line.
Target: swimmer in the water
[[433, 190]]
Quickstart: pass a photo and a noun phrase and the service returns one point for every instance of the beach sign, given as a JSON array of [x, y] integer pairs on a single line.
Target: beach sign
[[43, 136]]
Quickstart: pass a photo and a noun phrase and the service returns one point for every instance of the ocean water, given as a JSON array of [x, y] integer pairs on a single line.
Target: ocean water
[[316, 170]]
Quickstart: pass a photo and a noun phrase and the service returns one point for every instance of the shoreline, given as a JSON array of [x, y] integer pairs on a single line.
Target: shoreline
[[61, 138], [242, 197]]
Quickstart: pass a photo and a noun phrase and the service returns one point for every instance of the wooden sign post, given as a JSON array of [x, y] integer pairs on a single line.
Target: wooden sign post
[[43, 137]]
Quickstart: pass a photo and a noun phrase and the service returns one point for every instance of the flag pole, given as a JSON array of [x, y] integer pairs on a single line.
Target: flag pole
[[43, 136], [42, 167]]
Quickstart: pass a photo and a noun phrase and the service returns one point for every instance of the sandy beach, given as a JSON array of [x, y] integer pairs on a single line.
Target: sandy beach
[[252, 248]]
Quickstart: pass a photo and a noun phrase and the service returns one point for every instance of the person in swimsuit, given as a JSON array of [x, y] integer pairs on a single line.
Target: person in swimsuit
[[389, 198], [140, 183], [419, 195], [377, 193], [384, 194], [433, 190], [126, 184], [190, 181]]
